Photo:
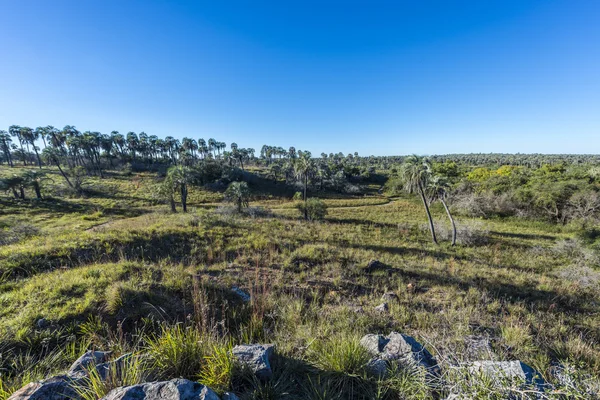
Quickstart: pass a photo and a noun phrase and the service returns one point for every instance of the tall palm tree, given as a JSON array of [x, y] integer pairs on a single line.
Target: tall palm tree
[[15, 130], [415, 173], [303, 168], [439, 188], [5, 144]]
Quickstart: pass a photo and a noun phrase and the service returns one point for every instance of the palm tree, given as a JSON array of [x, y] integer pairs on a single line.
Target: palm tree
[[439, 188], [303, 167], [181, 177], [5, 144], [35, 179], [415, 173], [238, 193], [53, 155], [15, 130]]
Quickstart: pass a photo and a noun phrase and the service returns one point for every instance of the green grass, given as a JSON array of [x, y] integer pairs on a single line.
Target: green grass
[[119, 256]]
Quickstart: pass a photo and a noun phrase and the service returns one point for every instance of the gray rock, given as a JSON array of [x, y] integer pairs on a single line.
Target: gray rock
[[242, 294], [88, 359], [41, 323], [113, 368], [382, 308], [400, 348], [176, 389], [377, 367], [478, 348], [256, 357], [56, 388], [389, 296], [229, 396], [507, 370]]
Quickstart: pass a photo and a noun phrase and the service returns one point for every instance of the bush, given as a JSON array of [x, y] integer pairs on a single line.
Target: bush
[[313, 209]]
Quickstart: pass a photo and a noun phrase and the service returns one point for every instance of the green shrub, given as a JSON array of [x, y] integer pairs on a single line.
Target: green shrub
[[313, 209], [219, 368], [340, 354]]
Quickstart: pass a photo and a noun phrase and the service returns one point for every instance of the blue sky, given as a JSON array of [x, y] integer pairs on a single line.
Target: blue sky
[[382, 78]]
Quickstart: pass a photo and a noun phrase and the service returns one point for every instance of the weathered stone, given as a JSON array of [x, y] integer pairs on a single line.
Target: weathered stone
[[256, 357], [377, 367], [56, 388], [507, 370], [382, 308], [176, 389], [399, 348], [478, 348], [41, 323], [88, 359], [113, 368], [389, 296], [241, 294]]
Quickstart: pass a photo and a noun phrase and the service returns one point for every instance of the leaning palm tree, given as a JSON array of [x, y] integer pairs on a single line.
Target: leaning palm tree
[[415, 173], [439, 188], [238, 193]]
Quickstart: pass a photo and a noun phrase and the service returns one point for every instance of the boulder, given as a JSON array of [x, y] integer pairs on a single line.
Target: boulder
[[500, 371], [256, 357], [382, 308], [389, 296], [56, 388], [400, 348], [377, 367], [88, 359], [176, 389]]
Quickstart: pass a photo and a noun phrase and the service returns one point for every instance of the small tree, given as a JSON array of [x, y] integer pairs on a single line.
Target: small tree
[[415, 173], [35, 179], [312, 209], [239, 194], [181, 177]]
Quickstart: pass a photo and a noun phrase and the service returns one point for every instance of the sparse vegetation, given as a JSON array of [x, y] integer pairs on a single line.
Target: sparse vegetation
[[91, 258]]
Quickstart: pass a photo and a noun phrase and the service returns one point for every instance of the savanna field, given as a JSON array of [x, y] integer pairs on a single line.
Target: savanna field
[[109, 267]]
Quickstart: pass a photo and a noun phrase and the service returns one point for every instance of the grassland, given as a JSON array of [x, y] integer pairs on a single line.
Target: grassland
[[114, 269]]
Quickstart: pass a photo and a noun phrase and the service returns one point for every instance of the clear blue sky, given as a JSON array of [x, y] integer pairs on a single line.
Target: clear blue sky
[[382, 78]]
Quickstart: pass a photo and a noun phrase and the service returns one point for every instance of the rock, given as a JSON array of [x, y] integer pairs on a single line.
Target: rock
[[256, 357], [88, 359], [383, 307], [377, 367], [241, 294], [56, 388], [478, 348], [41, 323], [400, 348], [176, 389], [389, 296], [507, 370], [229, 396], [113, 368], [375, 265]]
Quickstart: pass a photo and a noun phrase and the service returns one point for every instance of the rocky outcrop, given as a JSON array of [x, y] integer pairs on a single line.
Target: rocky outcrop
[[500, 371], [389, 297], [382, 308], [55, 388], [176, 389], [256, 357], [399, 348], [88, 359]]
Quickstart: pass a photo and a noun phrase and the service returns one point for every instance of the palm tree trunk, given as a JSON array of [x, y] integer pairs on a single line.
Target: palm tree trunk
[[305, 185], [184, 197], [22, 190], [38, 193], [431, 228], [451, 221], [63, 174], [38, 157], [172, 201]]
